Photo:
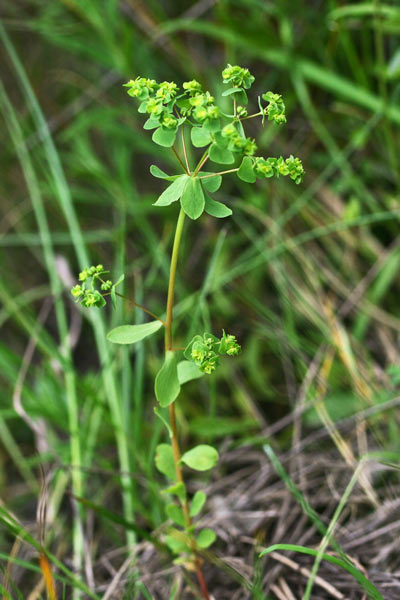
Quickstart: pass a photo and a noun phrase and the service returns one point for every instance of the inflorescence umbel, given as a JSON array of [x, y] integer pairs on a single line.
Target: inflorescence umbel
[[221, 134]]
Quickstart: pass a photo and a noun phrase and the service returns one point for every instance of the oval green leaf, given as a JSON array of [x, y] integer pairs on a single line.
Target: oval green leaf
[[164, 137], [200, 137], [175, 513], [201, 458], [173, 192], [165, 461], [192, 200], [216, 209], [176, 545], [197, 503], [222, 156], [130, 334], [205, 538], [178, 489], [246, 171], [211, 184], [167, 386], [160, 174]]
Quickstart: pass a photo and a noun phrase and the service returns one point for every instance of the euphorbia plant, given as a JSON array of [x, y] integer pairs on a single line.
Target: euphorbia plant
[[172, 112]]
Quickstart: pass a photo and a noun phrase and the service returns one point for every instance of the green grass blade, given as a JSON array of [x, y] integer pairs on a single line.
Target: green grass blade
[[368, 587], [309, 511], [56, 288], [16, 529], [96, 319]]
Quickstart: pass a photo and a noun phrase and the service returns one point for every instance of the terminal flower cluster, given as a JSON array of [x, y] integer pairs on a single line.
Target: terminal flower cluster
[[275, 110], [221, 134], [238, 76]]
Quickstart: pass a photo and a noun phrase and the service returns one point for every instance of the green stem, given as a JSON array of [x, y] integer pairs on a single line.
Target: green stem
[[134, 303], [139, 306], [172, 277], [198, 166], [220, 173], [252, 116], [172, 416], [185, 151], [179, 160], [202, 162]]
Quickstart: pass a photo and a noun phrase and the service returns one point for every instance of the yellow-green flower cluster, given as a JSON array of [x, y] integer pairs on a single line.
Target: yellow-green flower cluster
[[275, 110], [204, 355], [228, 345], [237, 76], [169, 121], [203, 107], [90, 296], [167, 91], [241, 112], [141, 87], [270, 167], [192, 87], [265, 167], [238, 143], [205, 350], [168, 108], [295, 168], [90, 271], [158, 100]]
